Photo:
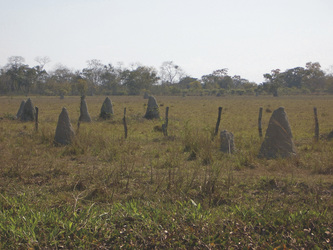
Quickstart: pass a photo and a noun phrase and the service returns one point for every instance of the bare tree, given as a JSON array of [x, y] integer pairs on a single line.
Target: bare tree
[[42, 61], [171, 73], [15, 61], [94, 71], [329, 70]]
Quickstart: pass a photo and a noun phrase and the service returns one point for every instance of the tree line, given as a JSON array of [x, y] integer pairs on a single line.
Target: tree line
[[16, 77]]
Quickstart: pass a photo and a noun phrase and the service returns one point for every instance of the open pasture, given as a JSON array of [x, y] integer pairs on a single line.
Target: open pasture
[[150, 191]]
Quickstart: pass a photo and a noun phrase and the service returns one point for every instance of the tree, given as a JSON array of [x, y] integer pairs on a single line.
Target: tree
[[274, 81], [81, 86], [41, 79], [226, 82], [294, 78], [239, 82], [209, 81], [170, 73], [62, 74], [311, 77], [195, 85], [59, 81], [94, 71], [329, 80], [111, 79], [42, 61], [141, 78], [93, 74], [249, 87], [218, 78], [220, 73], [15, 62], [5, 82], [315, 77], [185, 82], [21, 77]]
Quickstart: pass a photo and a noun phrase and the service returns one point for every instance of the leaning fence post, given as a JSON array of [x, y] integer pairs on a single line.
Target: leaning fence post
[[36, 120], [125, 124], [316, 124], [218, 122], [259, 122], [165, 125]]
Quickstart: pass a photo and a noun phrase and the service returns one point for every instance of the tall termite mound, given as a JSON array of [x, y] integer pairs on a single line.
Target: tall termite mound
[[84, 114], [106, 109], [152, 109], [20, 110], [278, 142], [28, 112], [64, 132], [227, 142]]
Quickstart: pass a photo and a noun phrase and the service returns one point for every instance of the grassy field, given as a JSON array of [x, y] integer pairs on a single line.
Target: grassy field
[[152, 191]]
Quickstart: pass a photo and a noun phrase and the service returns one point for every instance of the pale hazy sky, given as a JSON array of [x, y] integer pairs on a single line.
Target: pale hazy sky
[[249, 37]]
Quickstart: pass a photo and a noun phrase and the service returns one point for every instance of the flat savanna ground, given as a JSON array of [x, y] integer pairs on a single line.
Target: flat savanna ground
[[156, 191]]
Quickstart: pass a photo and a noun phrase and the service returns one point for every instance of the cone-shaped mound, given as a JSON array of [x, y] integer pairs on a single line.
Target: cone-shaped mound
[[84, 114], [20, 111], [152, 109], [106, 109], [64, 132], [227, 142], [278, 140], [28, 113]]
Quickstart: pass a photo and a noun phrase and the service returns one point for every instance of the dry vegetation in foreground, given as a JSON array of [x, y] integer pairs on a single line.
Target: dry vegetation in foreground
[[151, 191]]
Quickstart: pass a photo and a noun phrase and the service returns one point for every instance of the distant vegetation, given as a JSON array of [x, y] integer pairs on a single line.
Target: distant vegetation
[[16, 77]]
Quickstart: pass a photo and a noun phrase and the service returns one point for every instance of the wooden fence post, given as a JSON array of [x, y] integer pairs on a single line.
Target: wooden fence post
[[36, 120], [125, 124], [316, 124], [218, 122], [165, 125], [259, 122]]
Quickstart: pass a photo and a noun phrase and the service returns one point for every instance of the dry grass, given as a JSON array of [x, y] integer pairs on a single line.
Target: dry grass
[[103, 169]]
